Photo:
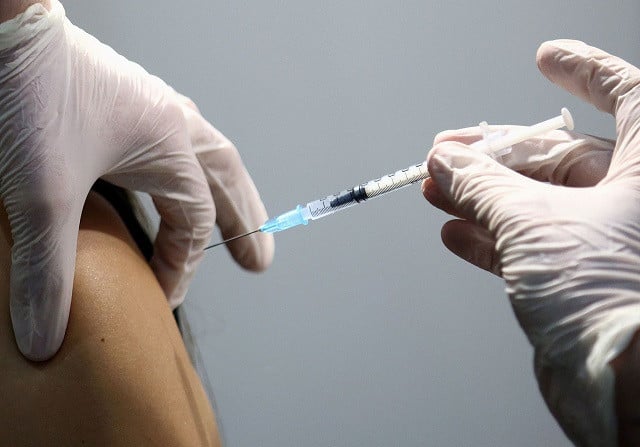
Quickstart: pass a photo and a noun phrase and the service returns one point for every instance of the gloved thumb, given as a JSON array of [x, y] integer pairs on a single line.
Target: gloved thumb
[[479, 188], [43, 256], [606, 81]]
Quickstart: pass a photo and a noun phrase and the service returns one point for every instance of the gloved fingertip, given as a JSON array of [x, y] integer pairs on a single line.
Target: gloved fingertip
[[430, 189], [439, 164], [564, 44], [449, 155], [255, 252], [465, 135], [31, 342], [41, 295], [472, 243], [426, 185], [267, 250], [442, 136], [437, 198], [551, 51], [175, 300]]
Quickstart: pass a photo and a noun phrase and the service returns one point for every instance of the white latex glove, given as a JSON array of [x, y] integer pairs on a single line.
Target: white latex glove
[[73, 110], [570, 256]]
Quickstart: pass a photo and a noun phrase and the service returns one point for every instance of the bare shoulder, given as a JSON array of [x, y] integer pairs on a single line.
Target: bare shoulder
[[122, 376]]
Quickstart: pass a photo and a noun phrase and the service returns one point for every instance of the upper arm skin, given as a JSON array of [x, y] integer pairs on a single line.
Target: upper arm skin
[[122, 375]]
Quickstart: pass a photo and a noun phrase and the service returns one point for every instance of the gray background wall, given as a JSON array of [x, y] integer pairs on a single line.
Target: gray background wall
[[366, 331]]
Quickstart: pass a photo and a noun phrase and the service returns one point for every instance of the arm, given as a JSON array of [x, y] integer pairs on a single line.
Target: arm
[[122, 376]]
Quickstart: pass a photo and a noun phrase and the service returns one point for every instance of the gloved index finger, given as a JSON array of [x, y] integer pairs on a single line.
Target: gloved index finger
[[238, 204], [558, 157]]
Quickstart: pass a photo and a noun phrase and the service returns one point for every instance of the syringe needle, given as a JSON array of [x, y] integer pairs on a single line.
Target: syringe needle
[[231, 239]]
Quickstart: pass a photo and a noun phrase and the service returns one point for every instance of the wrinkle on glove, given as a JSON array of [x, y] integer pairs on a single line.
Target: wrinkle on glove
[[570, 256], [73, 110]]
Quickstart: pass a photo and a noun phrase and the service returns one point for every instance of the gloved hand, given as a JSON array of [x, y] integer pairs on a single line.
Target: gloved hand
[[73, 110], [563, 232]]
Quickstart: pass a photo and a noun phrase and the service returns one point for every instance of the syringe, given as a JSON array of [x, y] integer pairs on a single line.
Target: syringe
[[316, 209]]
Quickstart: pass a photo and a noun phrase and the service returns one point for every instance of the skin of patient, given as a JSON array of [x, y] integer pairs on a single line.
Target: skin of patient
[[122, 376]]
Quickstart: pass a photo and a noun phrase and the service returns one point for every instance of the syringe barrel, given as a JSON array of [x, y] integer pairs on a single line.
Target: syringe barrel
[[397, 180], [323, 207]]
